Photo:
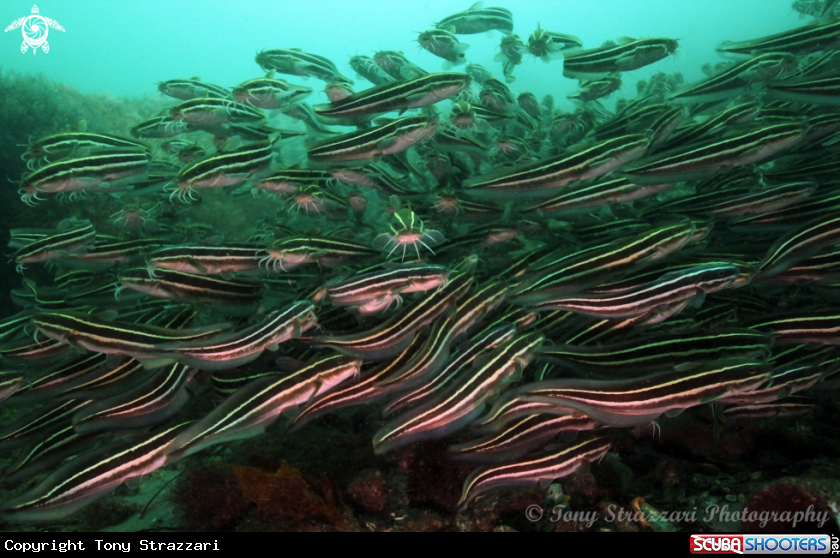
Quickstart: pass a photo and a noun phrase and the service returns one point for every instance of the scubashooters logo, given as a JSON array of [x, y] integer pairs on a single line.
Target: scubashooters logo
[[35, 29]]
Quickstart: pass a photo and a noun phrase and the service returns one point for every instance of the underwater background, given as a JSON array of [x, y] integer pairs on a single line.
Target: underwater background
[[463, 227]]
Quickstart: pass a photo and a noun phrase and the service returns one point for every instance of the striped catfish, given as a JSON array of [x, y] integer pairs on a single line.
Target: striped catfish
[[823, 202], [103, 170], [209, 111], [11, 383], [665, 296], [456, 366], [536, 469], [46, 452], [543, 178], [393, 137], [35, 350], [365, 390], [815, 90], [226, 168], [390, 337], [679, 349], [548, 45], [192, 288], [714, 124], [739, 202], [287, 181], [586, 197], [206, 260], [638, 401], [160, 127], [294, 61], [811, 38], [193, 88], [243, 346], [628, 55], [772, 410], [700, 160], [822, 267], [435, 352], [393, 96], [477, 19], [91, 476], [785, 381], [389, 282], [818, 326], [592, 90], [462, 402], [445, 45], [46, 417], [799, 244], [520, 437], [73, 238], [252, 409], [87, 332], [726, 84], [568, 273], [510, 409], [62, 145], [151, 403], [289, 253], [54, 381], [269, 93], [366, 68], [109, 253]]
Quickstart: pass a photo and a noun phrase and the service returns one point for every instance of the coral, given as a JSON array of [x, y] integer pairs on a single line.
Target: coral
[[792, 496], [287, 493], [369, 491], [432, 478], [208, 499], [509, 504], [425, 521]]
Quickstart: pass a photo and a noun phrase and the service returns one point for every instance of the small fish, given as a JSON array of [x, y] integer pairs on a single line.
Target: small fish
[[592, 90], [270, 93], [193, 88], [298, 63], [627, 55], [393, 137], [91, 476], [537, 469], [543, 178], [666, 296], [394, 96], [242, 346], [253, 408], [462, 402], [444, 44], [408, 230], [811, 38], [477, 19], [396, 65], [366, 68], [637, 401], [389, 338], [549, 46], [511, 50]]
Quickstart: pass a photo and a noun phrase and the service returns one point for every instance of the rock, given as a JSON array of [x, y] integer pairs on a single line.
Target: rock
[[792, 506], [368, 490]]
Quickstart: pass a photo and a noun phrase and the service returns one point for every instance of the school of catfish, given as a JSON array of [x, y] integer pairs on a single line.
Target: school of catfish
[[468, 258]]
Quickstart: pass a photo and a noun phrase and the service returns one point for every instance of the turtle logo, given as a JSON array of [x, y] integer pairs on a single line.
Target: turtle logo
[[35, 29]]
